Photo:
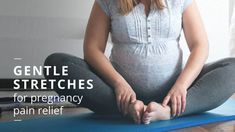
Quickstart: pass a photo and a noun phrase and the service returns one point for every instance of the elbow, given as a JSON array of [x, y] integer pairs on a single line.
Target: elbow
[[86, 58], [90, 53], [202, 49], [207, 53], [205, 48], [86, 53]]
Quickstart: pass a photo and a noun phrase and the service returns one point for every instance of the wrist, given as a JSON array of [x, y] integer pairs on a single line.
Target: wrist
[[181, 86], [117, 82]]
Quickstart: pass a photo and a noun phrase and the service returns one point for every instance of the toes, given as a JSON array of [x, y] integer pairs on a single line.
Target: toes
[[145, 115], [149, 112], [138, 105], [146, 118], [147, 121], [138, 118], [136, 110], [152, 106]]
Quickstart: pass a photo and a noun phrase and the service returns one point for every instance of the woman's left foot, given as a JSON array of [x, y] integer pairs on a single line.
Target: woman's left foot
[[136, 111], [154, 112]]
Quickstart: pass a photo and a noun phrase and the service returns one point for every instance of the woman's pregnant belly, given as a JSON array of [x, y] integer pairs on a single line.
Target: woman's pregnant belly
[[151, 70]]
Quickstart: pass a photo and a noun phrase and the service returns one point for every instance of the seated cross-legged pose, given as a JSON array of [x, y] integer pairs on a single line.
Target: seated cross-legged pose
[[144, 78]]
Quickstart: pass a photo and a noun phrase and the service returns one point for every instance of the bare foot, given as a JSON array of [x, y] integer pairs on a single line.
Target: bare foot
[[154, 112], [136, 111]]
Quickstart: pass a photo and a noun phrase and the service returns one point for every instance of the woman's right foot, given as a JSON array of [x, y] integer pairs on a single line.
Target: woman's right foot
[[136, 111]]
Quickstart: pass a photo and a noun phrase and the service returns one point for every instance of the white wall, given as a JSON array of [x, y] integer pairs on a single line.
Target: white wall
[[32, 29], [215, 17], [232, 28], [231, 7]]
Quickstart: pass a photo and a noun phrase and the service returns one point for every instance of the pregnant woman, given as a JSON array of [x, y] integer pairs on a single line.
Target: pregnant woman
[[143, 77]]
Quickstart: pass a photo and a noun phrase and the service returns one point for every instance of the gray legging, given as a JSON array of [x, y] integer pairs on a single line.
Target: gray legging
[[214, 85]]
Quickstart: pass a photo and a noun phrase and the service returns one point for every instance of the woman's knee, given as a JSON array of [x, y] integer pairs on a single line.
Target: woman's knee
[[62, 59], [59, 59], [228, 72], [229, 61], [54, 59]]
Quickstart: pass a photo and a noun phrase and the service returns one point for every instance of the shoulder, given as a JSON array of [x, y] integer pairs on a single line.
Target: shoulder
[[186, 3], [107, 5], [179, 4], [106, 2]]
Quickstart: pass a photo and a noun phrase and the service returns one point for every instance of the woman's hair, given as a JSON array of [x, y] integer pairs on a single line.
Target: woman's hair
[[127, 6]]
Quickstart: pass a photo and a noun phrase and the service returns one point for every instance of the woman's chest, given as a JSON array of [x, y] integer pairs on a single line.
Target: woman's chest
[[137, 27]]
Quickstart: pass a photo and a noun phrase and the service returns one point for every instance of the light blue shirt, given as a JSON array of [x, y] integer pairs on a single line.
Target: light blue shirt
[[146, 49]]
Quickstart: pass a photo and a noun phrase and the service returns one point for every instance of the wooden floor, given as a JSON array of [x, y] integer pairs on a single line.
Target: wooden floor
[[217, 127]]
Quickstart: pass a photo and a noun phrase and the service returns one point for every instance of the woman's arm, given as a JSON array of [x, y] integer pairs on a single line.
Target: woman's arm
[[196, 38], [94, 46]]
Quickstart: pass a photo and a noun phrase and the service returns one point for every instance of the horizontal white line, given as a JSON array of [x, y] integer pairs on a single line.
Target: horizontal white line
[[18, 58], [18, 120]]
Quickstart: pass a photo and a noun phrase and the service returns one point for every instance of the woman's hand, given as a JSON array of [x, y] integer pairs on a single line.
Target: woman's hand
[[177, 97], [124, 96]]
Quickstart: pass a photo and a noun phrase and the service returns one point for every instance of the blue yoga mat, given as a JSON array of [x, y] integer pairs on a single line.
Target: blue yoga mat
[[93, 122]]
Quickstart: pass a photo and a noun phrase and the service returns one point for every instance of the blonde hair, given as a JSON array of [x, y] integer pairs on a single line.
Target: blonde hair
[[126, 6]]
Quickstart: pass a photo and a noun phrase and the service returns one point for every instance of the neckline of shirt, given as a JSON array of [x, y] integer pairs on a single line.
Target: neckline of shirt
[[141, 6]]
